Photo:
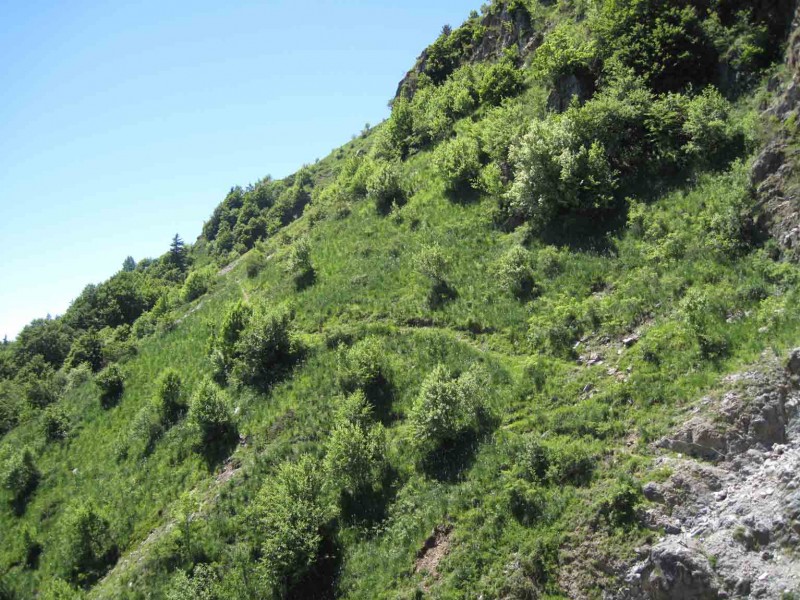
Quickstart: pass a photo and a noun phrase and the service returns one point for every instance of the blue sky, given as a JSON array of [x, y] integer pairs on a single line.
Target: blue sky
[[122, 123]]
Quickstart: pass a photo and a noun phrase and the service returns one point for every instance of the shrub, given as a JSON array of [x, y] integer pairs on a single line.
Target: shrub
[[111, 383], [58, 589], [264, 348], [196, 284], [169, 396], [499, 81], [10, 407], [458, 162], [617, 503], [356, 450], [210, 412], [146, 429], [361, 366], [384, 186], [20, 477], [254, 263], [289, 515], [570, 461], [445, 408], [78, 375], [42, 391], [223, 344], [88, 548], [88, 349], [299, 265], [555, 171], [514, 273], [430, 262], [55, 423]]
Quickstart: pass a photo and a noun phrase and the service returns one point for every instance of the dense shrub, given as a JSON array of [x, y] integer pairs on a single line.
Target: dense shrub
[[55, 423], [431, 263], [384, 186], [210, 412], [48, 338], [223, 343], [289, 516], [556, 171], [499, 81], [515, 274], [196, 284], [458, 162], [111, 383], [356, 450], [362, 365], [299, 265], [10, 406], [146, 429], [264, 347], [445, 408], [43, 390], [20, 477], [88, 547], [169, 401]]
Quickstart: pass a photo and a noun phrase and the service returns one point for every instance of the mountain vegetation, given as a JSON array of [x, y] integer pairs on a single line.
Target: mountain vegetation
[[435, 362]]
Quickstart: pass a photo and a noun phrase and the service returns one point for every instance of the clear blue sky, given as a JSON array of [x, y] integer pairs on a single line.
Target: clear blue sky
[[122, 123]]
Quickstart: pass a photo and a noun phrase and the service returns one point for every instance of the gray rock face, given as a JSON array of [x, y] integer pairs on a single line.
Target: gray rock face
[[738, 518], [771, 172], [675, 571]]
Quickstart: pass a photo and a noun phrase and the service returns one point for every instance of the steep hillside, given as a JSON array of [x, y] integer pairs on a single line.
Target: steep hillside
[[524, 339]]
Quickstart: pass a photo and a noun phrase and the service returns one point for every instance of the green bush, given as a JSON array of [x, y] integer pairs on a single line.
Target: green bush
[[146, 429], [169, 399], [384, 186], [299, 265], [254, 263], [197, 283], [223, 343], [499, 81], [514, 273], [445, 408], [111, 383], [210, 412], [10, 407], [431, 263], [42, 391], [289, 516], [88, 349], [88, 548], [554, 171], [21, 477], [55, 423], [58, 589], [264, 348], [458, 163], [355, 460], [362, 365]]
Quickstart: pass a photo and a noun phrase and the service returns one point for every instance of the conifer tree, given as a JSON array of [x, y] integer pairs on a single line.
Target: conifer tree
[[129, 264], [177, 253]]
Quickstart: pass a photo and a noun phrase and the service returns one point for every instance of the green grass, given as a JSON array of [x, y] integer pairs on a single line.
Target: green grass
[[681, 273]]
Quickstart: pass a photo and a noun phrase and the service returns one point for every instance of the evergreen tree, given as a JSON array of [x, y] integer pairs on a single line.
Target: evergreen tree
[[177, 253], [129, 264]]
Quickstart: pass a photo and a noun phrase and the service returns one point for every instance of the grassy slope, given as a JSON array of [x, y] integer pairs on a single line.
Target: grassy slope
[[366, 284]]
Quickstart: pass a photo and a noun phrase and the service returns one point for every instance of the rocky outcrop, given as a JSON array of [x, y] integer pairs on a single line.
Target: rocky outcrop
[[774, 172], [732, 526], [501, 29]]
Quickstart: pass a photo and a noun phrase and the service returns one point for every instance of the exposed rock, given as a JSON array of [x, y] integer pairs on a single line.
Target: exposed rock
[[578, 85], [675, 571], [772, 172], [502, 30], [739, 518]]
